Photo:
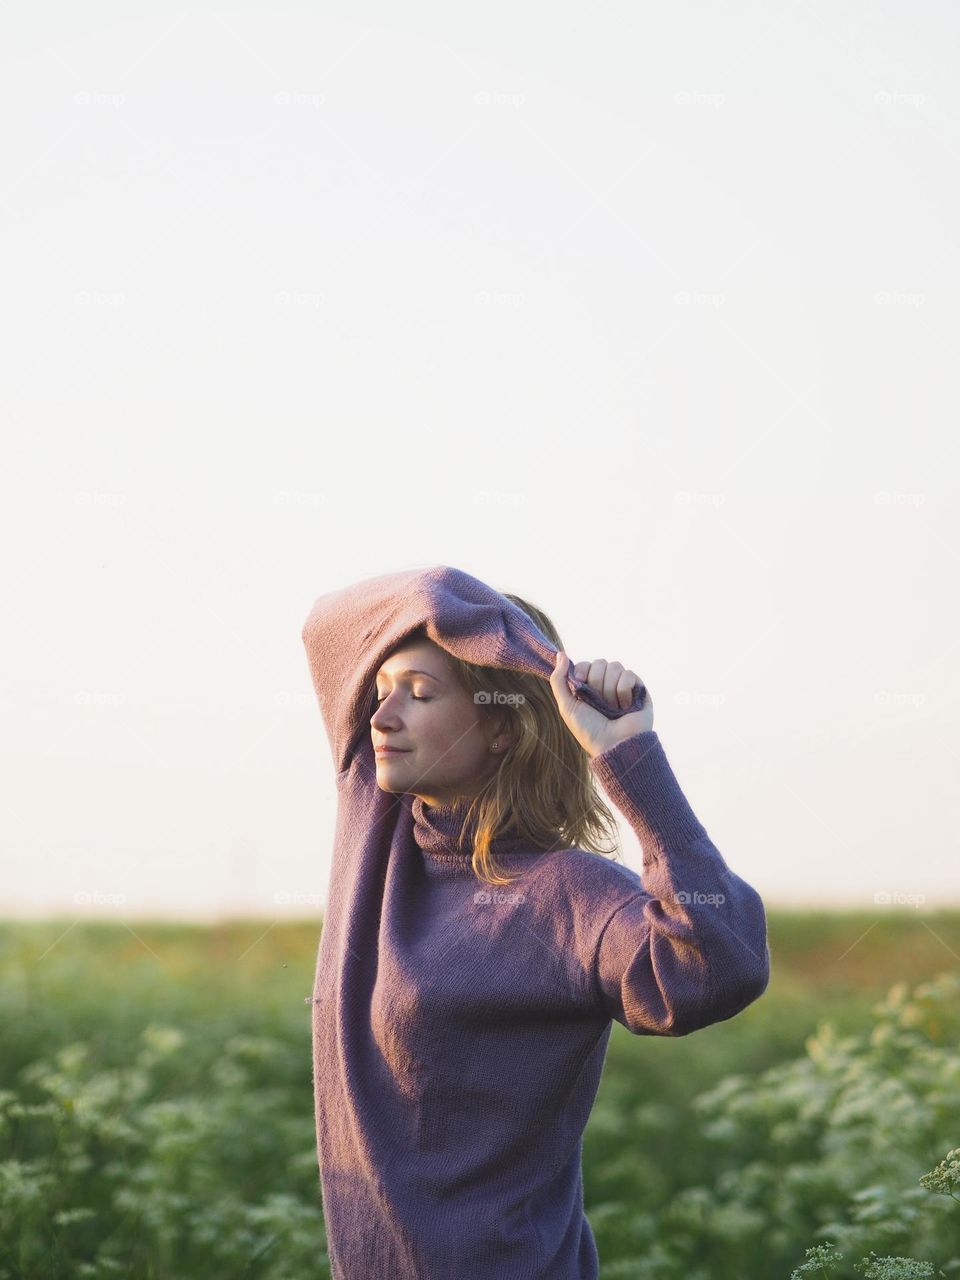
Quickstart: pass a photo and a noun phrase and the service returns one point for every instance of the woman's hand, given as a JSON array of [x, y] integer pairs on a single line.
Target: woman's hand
[[590, 727]]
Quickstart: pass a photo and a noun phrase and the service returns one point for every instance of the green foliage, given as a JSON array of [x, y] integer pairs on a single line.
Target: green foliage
[[824, 1260], [838, 1139], [945, 1178], [159, 1119], [157, 1116], [111, 1177], [893, 1268], [834, 1143]]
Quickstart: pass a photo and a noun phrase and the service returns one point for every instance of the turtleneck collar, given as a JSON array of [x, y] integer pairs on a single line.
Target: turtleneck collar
[[436, 829]]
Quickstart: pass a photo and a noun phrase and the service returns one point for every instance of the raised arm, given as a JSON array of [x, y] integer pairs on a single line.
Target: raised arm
[[343, 634], [690, 949]]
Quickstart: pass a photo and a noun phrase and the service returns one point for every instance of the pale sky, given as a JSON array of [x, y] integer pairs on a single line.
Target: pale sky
[[644, 312]]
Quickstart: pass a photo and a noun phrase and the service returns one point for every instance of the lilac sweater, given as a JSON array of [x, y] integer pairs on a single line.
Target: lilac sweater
[[459, 1031]]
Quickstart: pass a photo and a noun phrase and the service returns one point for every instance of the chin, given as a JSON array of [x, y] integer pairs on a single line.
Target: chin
[[388, 779], [387, 784]]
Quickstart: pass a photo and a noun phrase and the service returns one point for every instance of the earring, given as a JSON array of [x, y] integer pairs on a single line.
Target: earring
[[493, 747]]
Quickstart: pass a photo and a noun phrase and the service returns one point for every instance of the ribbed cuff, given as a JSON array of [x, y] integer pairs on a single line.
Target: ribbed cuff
[[637, 776]]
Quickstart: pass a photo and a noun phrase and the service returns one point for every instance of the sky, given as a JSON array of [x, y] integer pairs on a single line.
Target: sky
[[645, 313]]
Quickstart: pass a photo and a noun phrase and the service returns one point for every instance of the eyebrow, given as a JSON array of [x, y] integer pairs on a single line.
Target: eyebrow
[[411, 671]]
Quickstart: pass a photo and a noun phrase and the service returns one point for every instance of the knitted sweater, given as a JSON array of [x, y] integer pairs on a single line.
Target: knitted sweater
[[459, 1030]]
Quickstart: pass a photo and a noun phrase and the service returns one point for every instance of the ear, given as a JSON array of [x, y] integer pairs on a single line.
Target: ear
[[500, 732]]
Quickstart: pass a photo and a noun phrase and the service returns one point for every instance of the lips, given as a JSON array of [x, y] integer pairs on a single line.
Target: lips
[[391, 751]]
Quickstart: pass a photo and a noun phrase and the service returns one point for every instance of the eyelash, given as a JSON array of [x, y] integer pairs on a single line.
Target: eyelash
[[413, 696]]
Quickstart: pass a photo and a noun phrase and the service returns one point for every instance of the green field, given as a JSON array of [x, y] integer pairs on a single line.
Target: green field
[[157, 1110]]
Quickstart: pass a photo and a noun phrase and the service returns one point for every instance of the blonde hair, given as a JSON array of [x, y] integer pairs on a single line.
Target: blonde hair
[[543, 787]]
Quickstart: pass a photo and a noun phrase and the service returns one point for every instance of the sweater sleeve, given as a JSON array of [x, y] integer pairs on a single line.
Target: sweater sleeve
[[345, 634], [348, 634], [690, 947]]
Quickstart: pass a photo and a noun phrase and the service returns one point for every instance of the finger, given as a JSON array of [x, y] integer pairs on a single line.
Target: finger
[[593, 673], [611, 678], [595, 677], [625, 687], [558, 678]]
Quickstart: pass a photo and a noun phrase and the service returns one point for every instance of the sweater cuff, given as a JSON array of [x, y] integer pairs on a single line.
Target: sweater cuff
[[637, 776]]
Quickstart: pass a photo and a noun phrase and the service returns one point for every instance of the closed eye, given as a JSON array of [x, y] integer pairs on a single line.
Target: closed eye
[[413, 696]]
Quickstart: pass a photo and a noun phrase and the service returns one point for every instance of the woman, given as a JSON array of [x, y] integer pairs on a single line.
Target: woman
[[476, 942]]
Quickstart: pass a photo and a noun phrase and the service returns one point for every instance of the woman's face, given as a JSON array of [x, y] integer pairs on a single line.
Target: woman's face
[[445, 738]]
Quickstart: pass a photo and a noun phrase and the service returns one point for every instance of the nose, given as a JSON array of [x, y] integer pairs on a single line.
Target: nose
[[380, 718]]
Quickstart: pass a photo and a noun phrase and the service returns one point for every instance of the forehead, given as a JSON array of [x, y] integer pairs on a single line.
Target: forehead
[[423, 654]]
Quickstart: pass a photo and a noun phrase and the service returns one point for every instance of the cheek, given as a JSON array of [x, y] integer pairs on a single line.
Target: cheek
[[451, 730]]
